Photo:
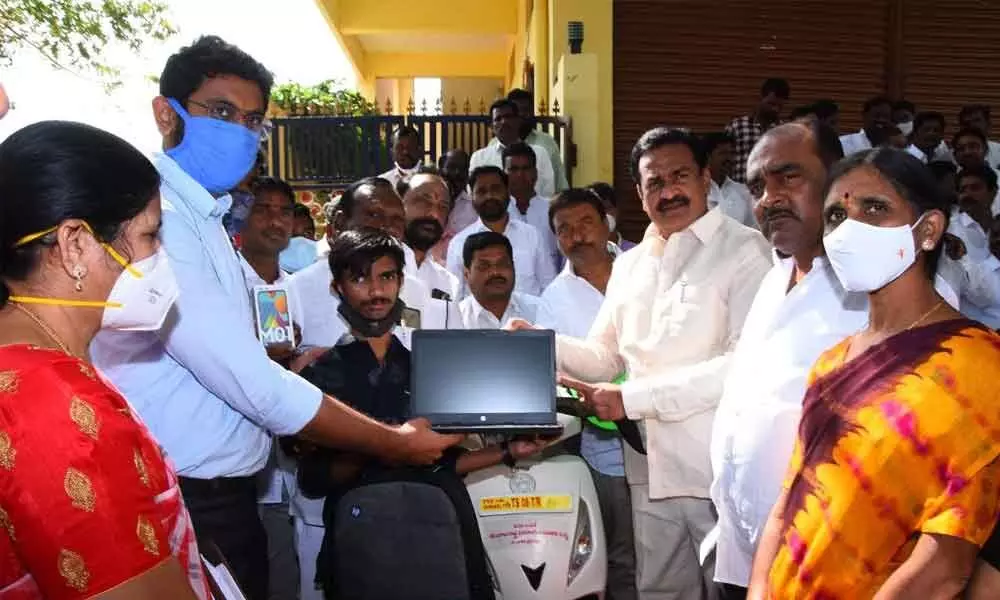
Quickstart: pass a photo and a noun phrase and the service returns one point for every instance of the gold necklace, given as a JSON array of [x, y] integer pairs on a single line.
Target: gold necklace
[[45, 329], [936, 306]]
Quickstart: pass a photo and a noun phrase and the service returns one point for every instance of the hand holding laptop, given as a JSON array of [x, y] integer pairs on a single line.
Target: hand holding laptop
[[518, 325], [603, 399]]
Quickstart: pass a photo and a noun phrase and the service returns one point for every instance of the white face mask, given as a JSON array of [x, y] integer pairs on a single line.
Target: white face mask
[[867, 258], [906, 127], [142, 303], [299, 254], [612, 223]]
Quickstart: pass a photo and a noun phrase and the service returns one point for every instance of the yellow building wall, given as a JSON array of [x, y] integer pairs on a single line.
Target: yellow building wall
[[398, 92], [473, 89], [598, 39]]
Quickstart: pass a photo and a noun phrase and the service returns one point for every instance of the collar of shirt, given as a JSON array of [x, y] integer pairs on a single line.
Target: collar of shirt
[[515, 309], [409, 261], [704, 228], [534, 204], [479, 226], [189, 190], [789, 261], [400, 334], [568, 269], [253, 277]]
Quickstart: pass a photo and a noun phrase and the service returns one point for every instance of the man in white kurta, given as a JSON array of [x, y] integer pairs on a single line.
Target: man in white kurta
[[507, 130], [799, 311], [672, 314]]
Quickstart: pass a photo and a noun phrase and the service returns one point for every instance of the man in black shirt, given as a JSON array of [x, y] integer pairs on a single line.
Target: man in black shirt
[[369, 369]]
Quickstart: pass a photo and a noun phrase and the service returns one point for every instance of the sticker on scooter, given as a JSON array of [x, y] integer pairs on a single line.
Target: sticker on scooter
[[496, 505]]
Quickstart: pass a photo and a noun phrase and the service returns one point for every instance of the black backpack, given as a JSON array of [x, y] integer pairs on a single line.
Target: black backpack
[[407, 532]]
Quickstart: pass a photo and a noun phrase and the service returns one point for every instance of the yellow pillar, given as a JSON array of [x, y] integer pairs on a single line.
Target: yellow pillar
[[578, 93], [540, 55], [579, 77]]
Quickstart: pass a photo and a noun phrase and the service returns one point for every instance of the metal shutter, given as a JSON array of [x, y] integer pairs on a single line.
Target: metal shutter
[[949, 54], [698, 64]]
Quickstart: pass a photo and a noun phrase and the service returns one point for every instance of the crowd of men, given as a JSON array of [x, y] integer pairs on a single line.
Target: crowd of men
[[500, 239], [708, 326]]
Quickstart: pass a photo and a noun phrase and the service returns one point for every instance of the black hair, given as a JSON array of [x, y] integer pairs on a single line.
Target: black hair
[[481, 241], [519, 94], [519, 149], [665, 136], [504, 103], [444, 156], [971, 109], [876, 101], [924, 117], [967, 131], [825, 108], [354, 251], [828, 145], [575, 197], [908, 176], [605, 191], [711, 141], [904, 105], [802, 111], [984, 172], [405, 131], [776, 85], [301, 211], [486, 170], [880, 136], [57, 170], [347, 199], [210, 56], [273, 184], [942, 168]]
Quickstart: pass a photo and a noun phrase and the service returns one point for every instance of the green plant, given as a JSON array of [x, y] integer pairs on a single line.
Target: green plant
[[326, 98], [73, 34]]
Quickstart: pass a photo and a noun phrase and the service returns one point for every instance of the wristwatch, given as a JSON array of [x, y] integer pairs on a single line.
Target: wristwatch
[[507, 458]]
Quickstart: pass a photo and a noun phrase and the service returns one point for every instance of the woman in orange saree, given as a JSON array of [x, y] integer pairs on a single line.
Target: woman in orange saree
[[89, 505], [893, 484]]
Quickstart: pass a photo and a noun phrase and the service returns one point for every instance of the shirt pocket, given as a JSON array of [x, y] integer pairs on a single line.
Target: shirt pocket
[[687, 310]]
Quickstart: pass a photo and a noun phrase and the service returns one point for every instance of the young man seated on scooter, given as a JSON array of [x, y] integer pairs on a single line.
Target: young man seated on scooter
[[369, 369]]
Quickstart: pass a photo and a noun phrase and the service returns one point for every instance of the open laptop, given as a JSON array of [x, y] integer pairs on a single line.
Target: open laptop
[[485, 381]]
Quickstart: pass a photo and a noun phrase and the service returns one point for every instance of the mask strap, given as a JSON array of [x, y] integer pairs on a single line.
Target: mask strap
[[62, 302], [107, 247]]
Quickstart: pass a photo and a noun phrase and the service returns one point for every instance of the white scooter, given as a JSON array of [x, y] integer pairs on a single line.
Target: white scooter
[[541, 526]]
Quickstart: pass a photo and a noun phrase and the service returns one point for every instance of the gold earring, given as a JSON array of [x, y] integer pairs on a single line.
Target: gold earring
[[78, 274], [928, 245]]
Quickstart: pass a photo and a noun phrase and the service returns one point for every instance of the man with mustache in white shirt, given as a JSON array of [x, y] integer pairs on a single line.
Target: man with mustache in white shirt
[[799, 311], [672, 314]]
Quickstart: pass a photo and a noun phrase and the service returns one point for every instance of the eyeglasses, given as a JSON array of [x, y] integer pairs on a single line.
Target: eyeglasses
[[224, 111]]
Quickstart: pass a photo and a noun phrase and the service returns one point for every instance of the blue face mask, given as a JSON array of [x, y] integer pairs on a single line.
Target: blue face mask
[[300, 253], [217, 154]]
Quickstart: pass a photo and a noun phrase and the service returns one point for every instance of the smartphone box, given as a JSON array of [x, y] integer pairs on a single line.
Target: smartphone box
[[273, 314]]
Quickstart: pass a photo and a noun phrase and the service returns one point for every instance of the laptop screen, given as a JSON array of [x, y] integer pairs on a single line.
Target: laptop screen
[[483, 377]]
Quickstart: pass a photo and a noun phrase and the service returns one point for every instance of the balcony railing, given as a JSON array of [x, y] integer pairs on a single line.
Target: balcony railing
[[332, 152]]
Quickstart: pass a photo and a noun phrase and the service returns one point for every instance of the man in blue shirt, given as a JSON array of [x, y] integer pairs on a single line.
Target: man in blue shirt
[[204, 384]]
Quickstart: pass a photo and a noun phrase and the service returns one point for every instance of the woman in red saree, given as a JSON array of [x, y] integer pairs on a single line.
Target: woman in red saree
[[89, 505], [893, 484]]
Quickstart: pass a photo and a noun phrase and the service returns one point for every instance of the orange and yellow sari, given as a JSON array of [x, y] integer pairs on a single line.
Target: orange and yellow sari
[[900, 441]]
